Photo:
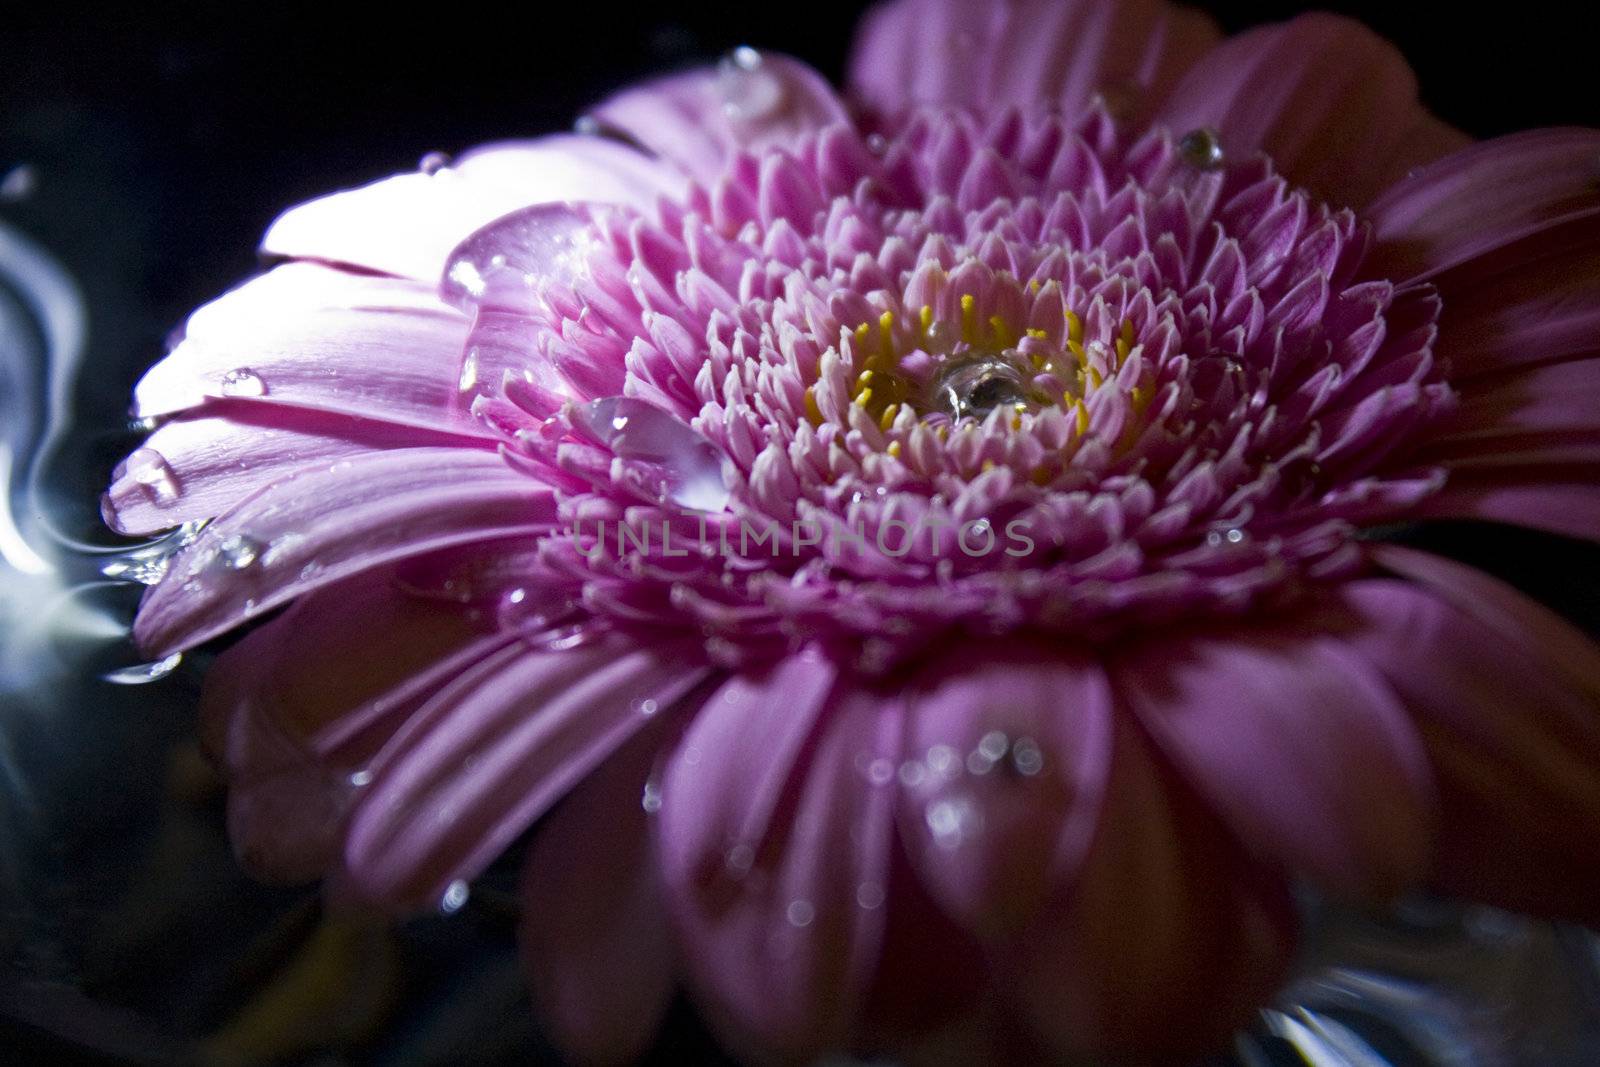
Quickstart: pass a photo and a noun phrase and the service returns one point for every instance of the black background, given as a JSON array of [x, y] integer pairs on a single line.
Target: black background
[[162, 139]]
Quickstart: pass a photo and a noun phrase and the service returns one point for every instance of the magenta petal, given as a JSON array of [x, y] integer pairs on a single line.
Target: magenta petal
[[1565, 503], [1007, 749], [326, 523], [1505, 695], [1484, 197], [774, 839], [594, 933], [1061, 52], [304, 335], [1167, 922], [1333, 104], [491, 753], [406, 225], [697, 121], [226, 450], [1307, 755], [296, 710]]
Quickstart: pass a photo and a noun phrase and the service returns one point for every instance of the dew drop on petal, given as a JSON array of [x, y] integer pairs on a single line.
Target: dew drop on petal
[[434, 162], [152, 471], [502, 263], [749, 90], [239, 552], [144, 673], [739, 860], [801, 912], [684, 466], [243, 382], [1201, 148], [976, 385], [869, 895], [1026, 757]]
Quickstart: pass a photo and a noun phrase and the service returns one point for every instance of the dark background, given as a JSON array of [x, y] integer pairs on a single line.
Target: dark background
[[160, 140]]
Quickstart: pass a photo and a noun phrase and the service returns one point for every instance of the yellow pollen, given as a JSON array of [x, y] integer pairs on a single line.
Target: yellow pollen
[[1078, 353], [886, 333], [864, 379], [925, 317], [1038, 335], [1002, 334], [813, 412], [864, 398], [1038, 361], [988, 465], [894, 449], [1095, 378], [943, 431], [1035, 285], [1074, 329], [887, 420], [1083, 417], [969, 319]]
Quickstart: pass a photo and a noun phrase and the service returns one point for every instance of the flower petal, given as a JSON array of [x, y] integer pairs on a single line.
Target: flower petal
[[305, 335], [1007, 748], [326, 523], [1062, 52], [774, 846], [407, 225], [1505, 695], [1305, 754], [698, 120], [492, 752], [1484, 197], [1332, 103], [225, 450], [1558, 501], [1168, 922], [296, 710], [594, 933]]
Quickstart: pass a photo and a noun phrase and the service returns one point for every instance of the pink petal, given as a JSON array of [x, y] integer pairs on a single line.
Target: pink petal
[[326, 523], [492, 752], [698, 120], [1506, 696], [226, 450], [1063, 52], [774, 839], [304, 335], [595, 938], [1482, 198], [1561, 502], [1305, 754], [1008, 747], [297, 709], [1169, 941], [1333, 104], [406, 225]]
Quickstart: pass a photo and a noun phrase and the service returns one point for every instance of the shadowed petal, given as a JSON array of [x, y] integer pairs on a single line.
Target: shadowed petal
[[774, 843], [1505, 695], [1007, 748], [326, 523], [1033, 52], [1332, 103], [595, 938], [492, 752], [1305, 754]]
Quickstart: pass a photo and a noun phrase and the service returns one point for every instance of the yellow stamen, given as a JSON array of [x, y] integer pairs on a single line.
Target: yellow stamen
[[864, 398], [1095, 378], [1002, 333], [887, 420], [1078, 353], [864, 379], [1074, 328], [969, 319], [925, 316], [894, 449], [886, 334], [988, 465], [1038, 335], [1083, 418], [813, 412]]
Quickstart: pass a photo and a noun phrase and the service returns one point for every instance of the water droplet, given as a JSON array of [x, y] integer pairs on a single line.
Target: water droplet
[[952, 821], [455, 897], [1026, 757], [239, 552], [651, 799], [666, 453], [144, 673], [869, 895], [1235, 536], [504, 262], [877, 143], [880, 772], [912, 774], [361, 778], [646, 707], [801, 912], [243, 382], [994, 745], [151, 470], [739, 860], [1201, 148], [433, 162], [976, 384], [943, 760], [749, 90]]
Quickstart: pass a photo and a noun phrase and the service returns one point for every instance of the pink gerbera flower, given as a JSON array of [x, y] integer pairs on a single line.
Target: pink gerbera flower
[[919, 533]]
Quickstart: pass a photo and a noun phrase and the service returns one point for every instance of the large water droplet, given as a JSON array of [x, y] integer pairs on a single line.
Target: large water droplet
[[151, 470], [144, 673], [239, 552], [455, 897], [434, 162], [976, 384], [674, 462], [502, 263], [243, 381], [1201, 148], [748, 88]]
